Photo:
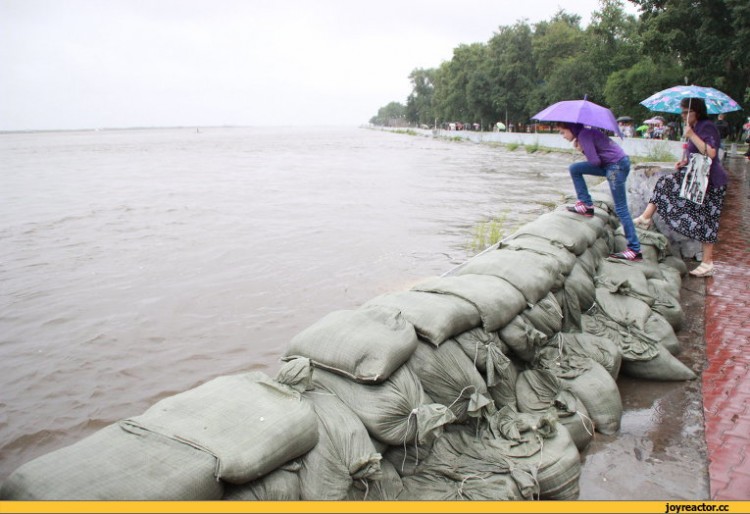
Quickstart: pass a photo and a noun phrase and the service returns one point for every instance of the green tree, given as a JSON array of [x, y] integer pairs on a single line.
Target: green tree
[[392, 115], [708, 38], [512, 74], [612, 43], [626, 88], [452, 79], [419, 108]]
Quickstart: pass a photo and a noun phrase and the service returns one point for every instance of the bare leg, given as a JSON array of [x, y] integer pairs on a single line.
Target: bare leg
[[649, 212], [708, 253], [644, 220]]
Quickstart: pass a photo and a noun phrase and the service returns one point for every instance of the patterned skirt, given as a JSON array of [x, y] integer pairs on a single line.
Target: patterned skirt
[[700, 222]]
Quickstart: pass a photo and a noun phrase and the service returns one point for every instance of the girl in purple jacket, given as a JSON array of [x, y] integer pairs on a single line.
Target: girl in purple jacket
[[604, 158]]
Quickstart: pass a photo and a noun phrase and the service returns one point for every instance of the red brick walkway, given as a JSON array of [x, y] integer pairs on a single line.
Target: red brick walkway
[[726, 380]]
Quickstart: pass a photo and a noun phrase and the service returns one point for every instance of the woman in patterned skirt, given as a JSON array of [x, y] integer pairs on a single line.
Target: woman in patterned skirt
[[700, 222]]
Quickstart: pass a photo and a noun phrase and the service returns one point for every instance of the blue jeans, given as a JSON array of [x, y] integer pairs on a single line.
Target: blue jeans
[[616, 174]]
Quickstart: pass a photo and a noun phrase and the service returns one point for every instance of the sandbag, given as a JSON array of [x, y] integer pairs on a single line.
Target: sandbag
[[394, 411], [436, 317], [533, 274], [387, 488], [251, 423], [632, 346], [665, 303], [527, 242], [282, 484], [406, 458], [603, 246], [538, 390], [654, 245], [488, 354], [496, 299], [626, 310], [432, 485], [578, 295], [114, 464], [461, 456], [344, 453], [624, 279], [451, 379], [588, 380], [554, 226], [674, 263], [545, 465], [366, 345], [664, 367], [589, 261], [545, 316], [599, 223], [659, 329], [522, 338], [601, 349]]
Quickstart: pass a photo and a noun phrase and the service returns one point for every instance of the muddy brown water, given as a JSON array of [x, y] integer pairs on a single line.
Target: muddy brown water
[[136, 264]]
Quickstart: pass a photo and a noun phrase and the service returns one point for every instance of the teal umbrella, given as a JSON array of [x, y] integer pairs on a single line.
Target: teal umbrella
[[669, 99]]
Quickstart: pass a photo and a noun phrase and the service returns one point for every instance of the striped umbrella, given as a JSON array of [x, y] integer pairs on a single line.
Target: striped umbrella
[[669, 99]]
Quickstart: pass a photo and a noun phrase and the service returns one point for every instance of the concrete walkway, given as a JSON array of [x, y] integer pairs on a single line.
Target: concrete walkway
[[726, 379]]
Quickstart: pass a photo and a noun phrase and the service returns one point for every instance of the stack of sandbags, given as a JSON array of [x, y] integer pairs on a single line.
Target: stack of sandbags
[[635, 306], [232, 429], [529, 460], [483, 385]]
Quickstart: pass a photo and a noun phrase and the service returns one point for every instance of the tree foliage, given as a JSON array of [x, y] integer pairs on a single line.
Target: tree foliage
[[392, 115], [617, 60]]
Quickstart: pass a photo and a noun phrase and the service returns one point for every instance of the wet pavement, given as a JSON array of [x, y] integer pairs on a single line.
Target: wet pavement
[[691, 440], [726, 378]]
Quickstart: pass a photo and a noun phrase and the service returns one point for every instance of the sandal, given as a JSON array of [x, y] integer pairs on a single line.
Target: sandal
[[706, 269], [643, 223]]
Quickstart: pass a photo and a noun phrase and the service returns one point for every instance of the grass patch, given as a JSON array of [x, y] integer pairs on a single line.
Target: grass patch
[[512, 146], [658, 153], [487, 234], [532, 148], [408, 132]]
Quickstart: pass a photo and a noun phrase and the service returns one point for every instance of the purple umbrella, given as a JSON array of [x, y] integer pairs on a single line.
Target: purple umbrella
[[580, 111]]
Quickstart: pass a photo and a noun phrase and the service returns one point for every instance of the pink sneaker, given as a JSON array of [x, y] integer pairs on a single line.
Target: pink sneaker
[[582, 208]]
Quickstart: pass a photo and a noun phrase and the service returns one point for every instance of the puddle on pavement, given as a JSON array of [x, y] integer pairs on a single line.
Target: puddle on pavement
[[660, 451]]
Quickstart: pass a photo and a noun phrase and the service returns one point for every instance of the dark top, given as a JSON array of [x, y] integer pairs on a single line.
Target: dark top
[[707, 131]]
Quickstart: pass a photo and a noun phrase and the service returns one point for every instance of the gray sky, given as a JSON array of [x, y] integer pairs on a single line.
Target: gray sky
[[67, 64]]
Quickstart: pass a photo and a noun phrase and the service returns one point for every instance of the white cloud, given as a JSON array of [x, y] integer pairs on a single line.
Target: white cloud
[[87, 63]]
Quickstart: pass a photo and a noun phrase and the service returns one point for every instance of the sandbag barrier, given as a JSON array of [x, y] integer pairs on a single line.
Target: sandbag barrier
[[482, 384]]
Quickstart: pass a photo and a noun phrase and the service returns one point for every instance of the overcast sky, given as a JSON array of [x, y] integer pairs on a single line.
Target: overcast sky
[[67, 64]]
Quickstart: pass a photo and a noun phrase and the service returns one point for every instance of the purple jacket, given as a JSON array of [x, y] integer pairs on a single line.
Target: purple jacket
[[707, 131], [598, 148]]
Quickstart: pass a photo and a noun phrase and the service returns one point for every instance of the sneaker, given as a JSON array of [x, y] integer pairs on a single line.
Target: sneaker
[[582, 208], [628, 255]]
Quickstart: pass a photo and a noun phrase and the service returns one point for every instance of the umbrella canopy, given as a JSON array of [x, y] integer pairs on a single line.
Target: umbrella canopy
[[580, 111], [624, 119], [654, 121], [669, 99], [642, 128]]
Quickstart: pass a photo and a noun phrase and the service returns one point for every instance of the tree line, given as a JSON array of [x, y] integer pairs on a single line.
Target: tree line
[[617, 61]]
